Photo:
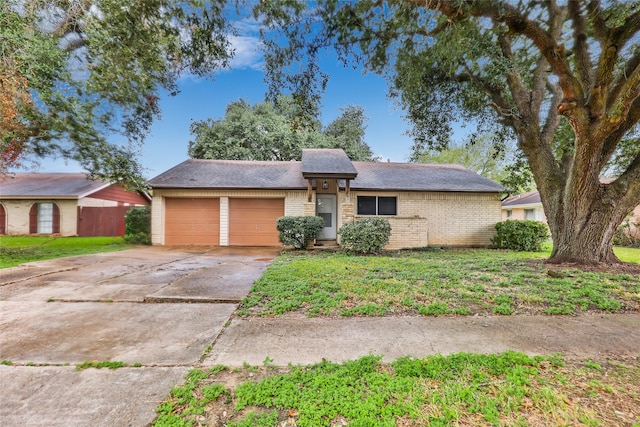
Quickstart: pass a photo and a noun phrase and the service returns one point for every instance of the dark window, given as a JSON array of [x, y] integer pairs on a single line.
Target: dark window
[[366, 205], [386, 205], [375, 205]]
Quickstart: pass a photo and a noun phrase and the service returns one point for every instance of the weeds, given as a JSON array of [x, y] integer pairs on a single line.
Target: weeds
[[102, 364], [460, 389], [451, 282]]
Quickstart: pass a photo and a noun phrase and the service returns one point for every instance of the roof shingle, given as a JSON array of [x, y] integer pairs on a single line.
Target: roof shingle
[[240, 174], [48, 185], [230, 174]]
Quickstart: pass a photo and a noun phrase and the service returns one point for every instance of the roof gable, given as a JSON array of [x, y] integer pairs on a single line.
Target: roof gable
[[327, 163]]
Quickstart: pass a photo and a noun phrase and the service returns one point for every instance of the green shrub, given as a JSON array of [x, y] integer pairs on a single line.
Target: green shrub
[[367, 235], [627, 234], [521, 235], [138, 225], [298, 231]]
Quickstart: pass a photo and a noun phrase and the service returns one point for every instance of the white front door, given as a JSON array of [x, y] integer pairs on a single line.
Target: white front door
[[326, 208]]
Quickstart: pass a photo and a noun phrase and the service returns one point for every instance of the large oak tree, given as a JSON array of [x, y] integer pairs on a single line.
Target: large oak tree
[[271, 131], [75, 74], [562, 76]]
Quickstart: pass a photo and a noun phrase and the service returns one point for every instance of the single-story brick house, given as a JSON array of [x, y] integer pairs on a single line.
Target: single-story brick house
[[529, 206], [236, 203], [68, 204], [524, 206]]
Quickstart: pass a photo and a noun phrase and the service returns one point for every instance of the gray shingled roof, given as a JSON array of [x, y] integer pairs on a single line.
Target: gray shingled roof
[[420, 177], [530, 198], [48, 185], [327, 163], [233, 174], [230, 174]]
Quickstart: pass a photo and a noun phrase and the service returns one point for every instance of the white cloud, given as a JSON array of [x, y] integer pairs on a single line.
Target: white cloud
[[247, 53]]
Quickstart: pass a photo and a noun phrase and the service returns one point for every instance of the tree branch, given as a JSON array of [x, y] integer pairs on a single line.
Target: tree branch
[[553, 118], [612, 141], [584, 66], [71, 24], [504, 13]]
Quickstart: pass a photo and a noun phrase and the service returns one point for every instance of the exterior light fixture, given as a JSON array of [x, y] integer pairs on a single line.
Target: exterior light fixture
[[325, 185]]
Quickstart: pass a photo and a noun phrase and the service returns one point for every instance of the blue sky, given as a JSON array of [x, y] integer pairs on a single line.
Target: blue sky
[[199, 99]]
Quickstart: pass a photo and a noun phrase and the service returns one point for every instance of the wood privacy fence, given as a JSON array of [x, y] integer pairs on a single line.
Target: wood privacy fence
[[102, 221]]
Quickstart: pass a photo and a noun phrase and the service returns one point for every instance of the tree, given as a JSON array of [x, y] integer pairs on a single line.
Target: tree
[[271, 131], [485, 156], [347, 132], [74, 73], [533, 69]]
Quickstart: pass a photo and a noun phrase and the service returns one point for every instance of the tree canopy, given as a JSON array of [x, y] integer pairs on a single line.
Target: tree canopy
[[271, 131], [74, 74], [484, 156], [561, 77]]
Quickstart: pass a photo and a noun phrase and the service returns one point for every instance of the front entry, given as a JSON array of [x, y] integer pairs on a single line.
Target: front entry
[[326, 208]]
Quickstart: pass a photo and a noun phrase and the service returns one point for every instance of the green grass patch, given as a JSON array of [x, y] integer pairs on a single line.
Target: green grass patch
[[449, 282], [460, 389], [627, 254], [16, 250], [110, 364]]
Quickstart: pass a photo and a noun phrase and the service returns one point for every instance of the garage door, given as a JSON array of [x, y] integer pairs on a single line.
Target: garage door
[[252, 222], [192, 222]]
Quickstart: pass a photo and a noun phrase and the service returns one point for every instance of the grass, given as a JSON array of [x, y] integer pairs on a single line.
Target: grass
[[444, 282], [110, 364], [628, 254], [16, 250], [460, 389]]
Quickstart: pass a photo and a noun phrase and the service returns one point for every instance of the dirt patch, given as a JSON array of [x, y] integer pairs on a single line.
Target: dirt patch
[[620, 268]]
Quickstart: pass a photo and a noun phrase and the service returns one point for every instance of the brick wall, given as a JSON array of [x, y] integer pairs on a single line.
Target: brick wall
[[441, 219]]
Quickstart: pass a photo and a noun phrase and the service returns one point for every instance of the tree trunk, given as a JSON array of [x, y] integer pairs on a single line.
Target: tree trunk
[[582, 225], [592, 245]]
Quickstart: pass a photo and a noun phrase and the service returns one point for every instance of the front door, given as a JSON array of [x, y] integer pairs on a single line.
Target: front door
[[326, 208]]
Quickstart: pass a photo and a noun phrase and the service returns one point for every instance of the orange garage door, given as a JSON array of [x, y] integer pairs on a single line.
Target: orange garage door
[[252, 222], [192, 222]]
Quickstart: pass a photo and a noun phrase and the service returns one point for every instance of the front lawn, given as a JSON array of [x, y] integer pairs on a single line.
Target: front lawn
[[508, 389], [15, 250], [435, 282]]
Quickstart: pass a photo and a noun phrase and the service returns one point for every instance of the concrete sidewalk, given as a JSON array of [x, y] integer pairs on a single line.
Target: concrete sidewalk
[[300, 340]]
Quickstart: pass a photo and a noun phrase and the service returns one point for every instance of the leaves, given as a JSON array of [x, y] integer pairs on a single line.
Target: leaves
[[77, 75], [272, 131]]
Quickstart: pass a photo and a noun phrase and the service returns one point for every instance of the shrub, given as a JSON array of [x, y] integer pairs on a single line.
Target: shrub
[[627, 234], [521, 235], [367, 235], [298, 231], [138, 225]]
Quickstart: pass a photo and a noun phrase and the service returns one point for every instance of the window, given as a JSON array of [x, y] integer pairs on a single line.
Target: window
[[44, 218], [530, 214], [377, 205], [509, 213]]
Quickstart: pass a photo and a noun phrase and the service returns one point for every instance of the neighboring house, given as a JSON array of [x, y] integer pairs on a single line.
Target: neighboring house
[[529, 206], [524, 206], [63, 203], [236, 203]]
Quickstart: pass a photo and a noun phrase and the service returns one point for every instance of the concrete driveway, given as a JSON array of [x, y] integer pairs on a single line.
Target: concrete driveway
[[156, 307]]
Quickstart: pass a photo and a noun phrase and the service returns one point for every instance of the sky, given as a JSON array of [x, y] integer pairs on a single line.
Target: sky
[[199, 99]]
